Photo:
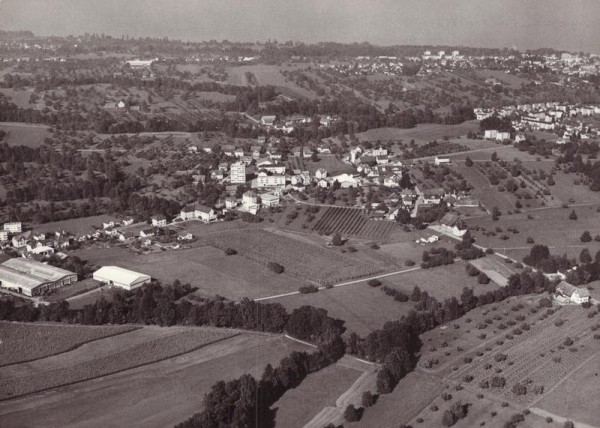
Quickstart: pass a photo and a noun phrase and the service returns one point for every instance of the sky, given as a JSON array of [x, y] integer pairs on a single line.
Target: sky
[[523, 24]]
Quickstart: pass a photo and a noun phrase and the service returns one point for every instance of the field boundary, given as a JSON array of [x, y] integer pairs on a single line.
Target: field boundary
[[72, 348], [121, 371]]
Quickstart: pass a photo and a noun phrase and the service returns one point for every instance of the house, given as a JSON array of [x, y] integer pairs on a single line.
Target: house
[[576, 295], [41, 250], [392, 181], [321, 173], [250, 200], [439, 161], [255, 151], [228, 150], [185, 236], [264, 180], [206, 214], [346, 180], [146, 233], [432, 196], [159, 221], [19, 241], [323, 183], [127, 221], [238, 153], [108, 225], [380, 151], [268, 120], [13, 227], [3, 235], [230, 202], [238, 173], [501, 136], [452, 224], [277, 169], [269, 199]]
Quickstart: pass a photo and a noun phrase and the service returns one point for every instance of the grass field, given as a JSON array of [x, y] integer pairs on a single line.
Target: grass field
[[410, 396], [309, 262], [22, 134], [550, 227], [420, 133], [77, 226], [578, 387], [26, 342], [77, 366], [155, 395], [266, 75], [206, 267], [299, 405]]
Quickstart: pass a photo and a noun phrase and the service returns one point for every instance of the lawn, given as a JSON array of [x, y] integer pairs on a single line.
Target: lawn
[[155, 395], [21, 134], [76, 366], [205, 267], [322, 389], [579, 387], [21, 342]]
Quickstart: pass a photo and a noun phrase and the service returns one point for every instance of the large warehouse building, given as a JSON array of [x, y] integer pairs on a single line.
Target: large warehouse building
[[124, 278], [33, 278]]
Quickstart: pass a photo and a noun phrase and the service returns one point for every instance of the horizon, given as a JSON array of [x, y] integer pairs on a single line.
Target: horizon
[[509, 24]]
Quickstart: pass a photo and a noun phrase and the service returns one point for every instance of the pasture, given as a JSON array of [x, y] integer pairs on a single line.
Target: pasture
[[23, 134], [23, 342], [578, 387], [267, 75], [206, 267], [421, 133], [155, 395], [551, 227], [308, 262], [77, 226]]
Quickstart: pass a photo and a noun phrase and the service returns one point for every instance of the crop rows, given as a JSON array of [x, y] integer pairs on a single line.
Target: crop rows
[[27, 342], [346, 221], [298, 258], [135, 356]]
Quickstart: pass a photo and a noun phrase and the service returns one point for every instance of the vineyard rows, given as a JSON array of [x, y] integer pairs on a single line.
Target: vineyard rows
[[352, 222], [300, 259]]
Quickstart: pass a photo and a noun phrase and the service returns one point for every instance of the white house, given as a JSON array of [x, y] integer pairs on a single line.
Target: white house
[[159, 221], [501, 136], [198, 212], [490, 134], [575, 294], [3, 235], [439, 161], [321, 173], [452, 224], [268, 120], [269, 199]]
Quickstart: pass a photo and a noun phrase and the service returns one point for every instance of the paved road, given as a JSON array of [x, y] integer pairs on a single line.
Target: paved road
[[343, 284]]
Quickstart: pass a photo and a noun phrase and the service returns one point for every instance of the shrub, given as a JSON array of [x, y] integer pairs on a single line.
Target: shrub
[[230, 252], [374, 282], [306, 289], [409, 262], [275, 267], [586, 237], [573, 215], [519, 389], [568, 341], [368, 399], [352, 414], [483, 278]]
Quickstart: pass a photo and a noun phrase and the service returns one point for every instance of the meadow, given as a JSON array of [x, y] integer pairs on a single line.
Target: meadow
[[22, 134], [420, 133]]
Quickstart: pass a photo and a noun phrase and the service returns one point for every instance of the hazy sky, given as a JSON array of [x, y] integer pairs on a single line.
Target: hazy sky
[[560, 24]]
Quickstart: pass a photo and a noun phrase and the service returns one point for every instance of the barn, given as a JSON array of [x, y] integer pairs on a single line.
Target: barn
[[120, 277], [33, 278]]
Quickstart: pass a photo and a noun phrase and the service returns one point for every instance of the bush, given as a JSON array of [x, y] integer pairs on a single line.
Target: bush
[[275, 267], [230, 252], [306, 289], [409, 262], [374, 282], [573, 215], [519, 389], [483, 278], [368, 399], [586, 237], [352, 414]]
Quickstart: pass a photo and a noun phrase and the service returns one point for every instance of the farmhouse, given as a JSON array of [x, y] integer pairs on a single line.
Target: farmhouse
[[159, 221], [439, 161], [124, 278], [198, 212], [574, 294], [452, 224], [268, 120], [33, 278]]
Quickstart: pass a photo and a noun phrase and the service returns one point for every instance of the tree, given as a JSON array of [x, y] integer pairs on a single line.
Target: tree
[[336, 240], [374, 282], [352, 414], [468, 161], [275, 267], [585, 257], [448, 419], [494, 157], [586, 237], [495, 213], [415, 296], [573, 215], [368, 399]]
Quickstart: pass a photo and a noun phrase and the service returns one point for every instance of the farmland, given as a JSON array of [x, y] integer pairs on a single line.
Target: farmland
[[303, 260], [352, 222], [20, 134], [421, 133], [207, 268], [152, 396], [78, 226], [26, 342], [17, 381]]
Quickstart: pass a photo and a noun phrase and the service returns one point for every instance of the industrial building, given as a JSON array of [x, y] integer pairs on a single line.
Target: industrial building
[[33, 278], [120, 277]]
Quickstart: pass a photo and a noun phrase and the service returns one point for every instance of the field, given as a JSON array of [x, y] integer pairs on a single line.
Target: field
[[550, 227], [495, 268], [352, 222], [579, 387], [267, 75], [420, 133], [77, 226], [153, 396], [20, 134], [206, 267], [20, 343], [76, 366], [303, 260], [319, 390]]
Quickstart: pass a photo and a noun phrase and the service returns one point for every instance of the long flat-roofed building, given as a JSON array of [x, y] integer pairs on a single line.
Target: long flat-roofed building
[[120, 277], [32, 278]]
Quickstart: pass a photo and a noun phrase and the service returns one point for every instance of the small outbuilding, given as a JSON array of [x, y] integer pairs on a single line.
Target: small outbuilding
[[120, 277]]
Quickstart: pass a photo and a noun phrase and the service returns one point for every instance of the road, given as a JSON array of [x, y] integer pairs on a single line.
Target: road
[[342, 284]]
